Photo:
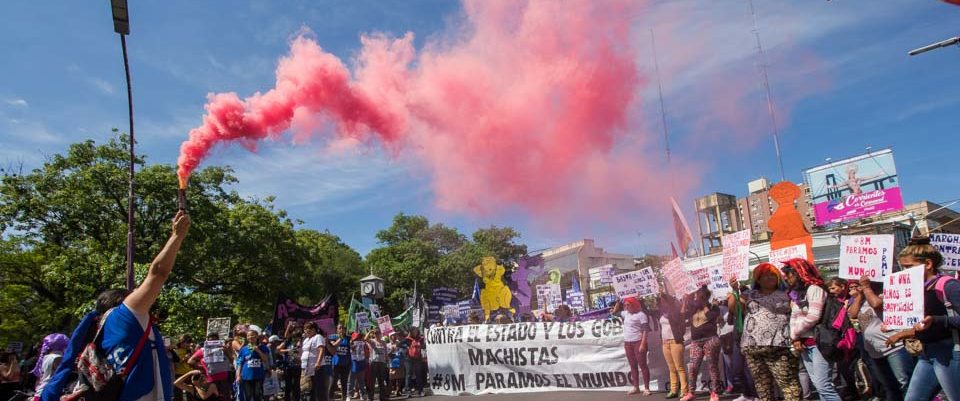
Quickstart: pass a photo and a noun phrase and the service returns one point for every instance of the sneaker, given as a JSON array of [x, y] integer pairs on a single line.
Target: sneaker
[[688, 397], [714, 396]]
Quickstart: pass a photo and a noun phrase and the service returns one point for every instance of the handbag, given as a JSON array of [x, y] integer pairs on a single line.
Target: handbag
[[913, 346], [95, 379]]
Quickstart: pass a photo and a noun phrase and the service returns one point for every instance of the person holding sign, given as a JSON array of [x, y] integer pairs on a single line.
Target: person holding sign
[[894, 364], [636, 326], [939, 363], [251, 367], [807, 298], [704, 342], [766, 333]]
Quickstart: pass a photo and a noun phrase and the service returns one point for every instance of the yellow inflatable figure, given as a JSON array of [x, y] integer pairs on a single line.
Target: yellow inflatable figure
[[495, 294]]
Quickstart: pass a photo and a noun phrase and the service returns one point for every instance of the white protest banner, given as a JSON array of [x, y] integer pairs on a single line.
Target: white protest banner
[[679, 280], [363, 321], [386, 326], [949, 247], [778, 256], [903, 299], [374, 311], [15, 347], [865, 255], [736, 255], [527, 358], [219, 325]]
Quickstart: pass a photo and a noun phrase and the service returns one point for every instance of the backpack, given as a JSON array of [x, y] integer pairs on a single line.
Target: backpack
[[415, 351], [826, 335], [95, 379]]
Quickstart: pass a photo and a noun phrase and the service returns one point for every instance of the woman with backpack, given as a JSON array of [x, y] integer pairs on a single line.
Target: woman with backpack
[[939, 363], [807, 299], [766, 333], [704, 343]]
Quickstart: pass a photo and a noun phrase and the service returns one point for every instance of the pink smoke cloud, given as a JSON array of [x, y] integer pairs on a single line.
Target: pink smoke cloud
[[529, 108]]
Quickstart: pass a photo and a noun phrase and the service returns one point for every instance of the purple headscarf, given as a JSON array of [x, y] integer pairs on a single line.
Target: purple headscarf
[[52, 343]]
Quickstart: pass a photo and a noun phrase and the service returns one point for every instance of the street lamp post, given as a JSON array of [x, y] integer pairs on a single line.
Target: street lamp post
[[121, 25]]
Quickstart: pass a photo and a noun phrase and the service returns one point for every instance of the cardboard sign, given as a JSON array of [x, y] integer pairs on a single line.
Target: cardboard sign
[[374, 311], [219, 325], [949, 247], [778, 256], [866, 255], [386, 327], [648, 286], [214, 357], [700, 276], [719, 283], [549, 297], [736, 255], [903, 299], [679, 280], [363, 321]]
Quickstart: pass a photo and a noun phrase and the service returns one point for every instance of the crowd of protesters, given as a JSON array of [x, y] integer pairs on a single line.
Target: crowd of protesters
[[789, 335]]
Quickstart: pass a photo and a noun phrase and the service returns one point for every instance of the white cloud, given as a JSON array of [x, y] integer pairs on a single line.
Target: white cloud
[[102, 85], [17, 102]]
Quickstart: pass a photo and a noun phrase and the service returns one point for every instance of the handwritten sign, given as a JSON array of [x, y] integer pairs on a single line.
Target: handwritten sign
[[866, 255], [736, 255], [719, 284], [386, 327], [606, 274], [363, 321], [219, 325], [778, 256], [679, 280], [575, 300], [700, 276], [903, 299], [949, 247], [374, 311], [627, 284], [451, 311], [549, 297]]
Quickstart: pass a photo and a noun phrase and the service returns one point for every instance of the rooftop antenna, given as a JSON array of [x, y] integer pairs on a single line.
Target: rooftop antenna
[[766, 85]]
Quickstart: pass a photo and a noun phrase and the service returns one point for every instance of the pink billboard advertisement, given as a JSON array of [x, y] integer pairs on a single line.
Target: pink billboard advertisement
[[854, 188]]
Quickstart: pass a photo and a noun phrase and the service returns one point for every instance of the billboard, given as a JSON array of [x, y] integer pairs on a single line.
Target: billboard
[[854, 188]]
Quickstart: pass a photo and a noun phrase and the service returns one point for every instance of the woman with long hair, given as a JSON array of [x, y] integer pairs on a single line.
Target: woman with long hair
[[807, 298], [893, 365], [766, 333], [939, 363], [704, 343]]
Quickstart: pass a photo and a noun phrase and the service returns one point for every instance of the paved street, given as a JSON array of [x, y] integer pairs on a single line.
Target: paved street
[[571, 396]]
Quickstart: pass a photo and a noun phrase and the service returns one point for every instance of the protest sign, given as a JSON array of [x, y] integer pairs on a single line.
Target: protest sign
[[220, 325], [719, 284], [214, 357], [736, 255], [700, 276], [527, 357], [451, 312], [15, 347], [866, 255], [363, 321], [374, 311], [627, 284], [386, 327], [949, 247], [549, 297], [778, 256], [679, 279], [648, 284], [575, 300], [606, 274], [903, 299], [288, 310]]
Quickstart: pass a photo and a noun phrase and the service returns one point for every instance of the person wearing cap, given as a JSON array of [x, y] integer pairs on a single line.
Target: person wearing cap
[[636, 326], [252, 361]]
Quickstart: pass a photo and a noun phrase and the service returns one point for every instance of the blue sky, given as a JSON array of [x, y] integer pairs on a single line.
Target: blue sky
[[839, 74]]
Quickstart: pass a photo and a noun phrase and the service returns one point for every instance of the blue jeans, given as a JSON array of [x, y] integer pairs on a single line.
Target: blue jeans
[[821, 373], [938, 364]]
